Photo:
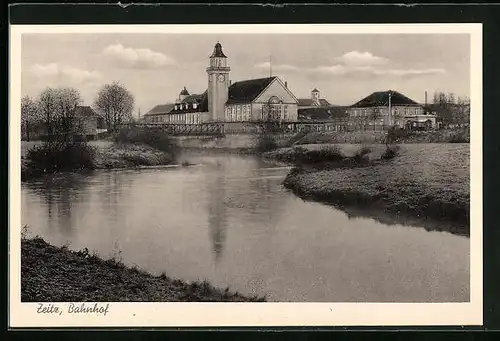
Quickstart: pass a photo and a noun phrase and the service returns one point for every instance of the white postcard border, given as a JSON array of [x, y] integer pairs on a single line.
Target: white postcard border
[[253, 314]]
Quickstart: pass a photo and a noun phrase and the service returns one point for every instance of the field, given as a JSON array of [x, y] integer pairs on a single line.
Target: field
[[424, 180]]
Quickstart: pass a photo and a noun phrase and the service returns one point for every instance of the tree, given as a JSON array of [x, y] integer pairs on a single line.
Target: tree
[[115, 103], [451, 109], [462, 112], [29, 116], [57, 111]]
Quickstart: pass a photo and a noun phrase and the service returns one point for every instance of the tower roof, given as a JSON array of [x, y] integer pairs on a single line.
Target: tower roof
[[218, 51], [184, 92], [315, 90]]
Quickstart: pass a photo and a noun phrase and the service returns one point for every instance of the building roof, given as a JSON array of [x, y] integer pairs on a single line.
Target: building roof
[[218, 51], [248, 90], [84, 110], [381, 98], [184, 92], [322, 113], [308, 102], [201, 100], [160, 109], [315, 90]]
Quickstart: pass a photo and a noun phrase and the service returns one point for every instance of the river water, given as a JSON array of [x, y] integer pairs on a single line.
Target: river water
[[229, 220]]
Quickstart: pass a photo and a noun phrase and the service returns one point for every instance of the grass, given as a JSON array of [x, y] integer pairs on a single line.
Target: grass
[[429, 182], [57, 274]]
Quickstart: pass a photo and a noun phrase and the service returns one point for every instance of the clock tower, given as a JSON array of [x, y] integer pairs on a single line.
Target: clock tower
[[218, 83]]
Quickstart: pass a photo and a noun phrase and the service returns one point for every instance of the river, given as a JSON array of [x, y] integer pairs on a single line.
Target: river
[[229, 220]]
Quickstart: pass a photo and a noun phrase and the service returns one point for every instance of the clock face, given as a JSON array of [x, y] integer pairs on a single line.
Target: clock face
[[221, 78]]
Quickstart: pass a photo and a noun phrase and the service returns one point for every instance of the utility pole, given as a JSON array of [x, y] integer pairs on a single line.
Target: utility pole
[[270, 67], [390, 111], [139, 115]]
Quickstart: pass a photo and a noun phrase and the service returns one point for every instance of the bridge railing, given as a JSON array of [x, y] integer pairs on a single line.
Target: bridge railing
[[225, 128]]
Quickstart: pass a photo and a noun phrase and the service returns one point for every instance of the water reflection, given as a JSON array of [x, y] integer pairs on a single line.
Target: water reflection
[[230, 221], [217, 214]]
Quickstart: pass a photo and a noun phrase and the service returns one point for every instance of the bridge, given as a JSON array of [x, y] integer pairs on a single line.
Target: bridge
[[228, 128]]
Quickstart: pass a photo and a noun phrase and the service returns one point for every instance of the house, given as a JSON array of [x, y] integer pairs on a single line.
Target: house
[[90, 125], [388, 108], [223, 101], [314, 102]]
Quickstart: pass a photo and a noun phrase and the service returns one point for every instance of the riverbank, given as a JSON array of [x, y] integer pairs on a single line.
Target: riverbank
[[108, 155], [428, 183], [57, 274], [457, 135]]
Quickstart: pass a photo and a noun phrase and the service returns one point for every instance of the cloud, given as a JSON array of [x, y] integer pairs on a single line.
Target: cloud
[[409, 72], [64, 73], [137, 58], [371, 71], [361, 58], [356, 65]]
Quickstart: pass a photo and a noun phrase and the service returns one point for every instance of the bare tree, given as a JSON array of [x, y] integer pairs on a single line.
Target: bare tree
[[57, 109], [67, 101], [29, 116], [115, 103]]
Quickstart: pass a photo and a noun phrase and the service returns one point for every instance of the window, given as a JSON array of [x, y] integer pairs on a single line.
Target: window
[[285, 112], [238, 112], [195, 105]]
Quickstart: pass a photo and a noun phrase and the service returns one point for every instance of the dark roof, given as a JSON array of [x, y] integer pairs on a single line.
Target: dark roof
[[84, 110], [201, 100], [184, 92], [194, 98], [218, 51], [381, 98], [315, 90], [247, 91], [160, 109], [304, 102]]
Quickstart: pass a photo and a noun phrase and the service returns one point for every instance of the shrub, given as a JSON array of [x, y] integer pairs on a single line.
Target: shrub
[[266, 143], [390, 152], [395, 134], [51, 157], [323, 154], [153, 137], [459, 137], [361, 154]]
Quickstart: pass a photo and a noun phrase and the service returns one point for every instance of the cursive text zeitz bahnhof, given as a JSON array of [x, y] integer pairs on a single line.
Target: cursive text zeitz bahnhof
[[74, 308]]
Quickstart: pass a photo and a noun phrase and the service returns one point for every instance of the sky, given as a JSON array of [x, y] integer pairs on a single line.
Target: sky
[[155, 67]]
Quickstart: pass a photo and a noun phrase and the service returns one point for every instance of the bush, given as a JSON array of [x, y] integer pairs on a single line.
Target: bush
[[153, 137], [361, 154], [390, 152], [395, 133], [266, 143], [51, 157], [459, 137], [323, 154]]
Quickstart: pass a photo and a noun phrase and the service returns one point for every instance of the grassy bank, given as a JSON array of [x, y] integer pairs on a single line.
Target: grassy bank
[[458, 135], [128, 148], [54, 274], [427, 183]]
